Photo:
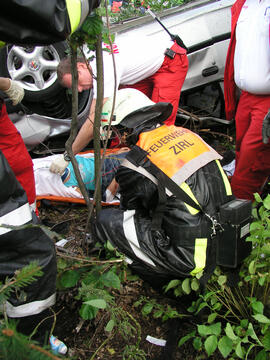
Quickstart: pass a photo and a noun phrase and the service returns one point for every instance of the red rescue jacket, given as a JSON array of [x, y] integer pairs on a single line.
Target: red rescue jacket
[[14, 150]]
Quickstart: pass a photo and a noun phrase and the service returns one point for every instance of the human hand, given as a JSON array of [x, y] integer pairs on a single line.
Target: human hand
[[266, 128], [15, 92], [59, 165], [122, 150]]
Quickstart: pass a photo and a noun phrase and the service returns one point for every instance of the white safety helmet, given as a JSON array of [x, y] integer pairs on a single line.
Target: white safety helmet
[[126, 101]]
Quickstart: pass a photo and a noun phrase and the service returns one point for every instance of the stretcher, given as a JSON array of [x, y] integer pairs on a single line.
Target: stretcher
[[50, 187]]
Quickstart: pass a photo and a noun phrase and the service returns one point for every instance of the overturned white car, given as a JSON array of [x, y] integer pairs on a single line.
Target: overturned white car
[[45, 113]]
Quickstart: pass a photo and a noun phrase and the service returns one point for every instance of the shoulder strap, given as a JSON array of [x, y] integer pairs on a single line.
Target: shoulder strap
[[138, 157]]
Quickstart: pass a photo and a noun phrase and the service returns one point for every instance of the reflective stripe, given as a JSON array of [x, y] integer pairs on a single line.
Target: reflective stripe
[[193, 165], [225, 179], [131, 236], [184, 186], [74, 13], [31, 308], [140, 170], [199, 255], [17, 217]]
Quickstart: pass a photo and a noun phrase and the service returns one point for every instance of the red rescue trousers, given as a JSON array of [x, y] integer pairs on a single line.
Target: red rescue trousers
[[166, 84], [15, 151], [252, 155]]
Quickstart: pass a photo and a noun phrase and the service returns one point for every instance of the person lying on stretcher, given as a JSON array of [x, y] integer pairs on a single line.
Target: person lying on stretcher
[[86, 165]]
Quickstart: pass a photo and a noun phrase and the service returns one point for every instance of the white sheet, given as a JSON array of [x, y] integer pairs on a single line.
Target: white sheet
[[48, 183]]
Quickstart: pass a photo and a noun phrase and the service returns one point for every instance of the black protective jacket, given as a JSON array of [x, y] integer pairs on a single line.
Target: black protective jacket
[[21, 246], [28, 22], [187, 233], [37, 21], [40, 22]]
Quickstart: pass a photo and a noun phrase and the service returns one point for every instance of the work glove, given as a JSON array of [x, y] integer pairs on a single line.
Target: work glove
[[15, 92], [266, 128], [60, 163]]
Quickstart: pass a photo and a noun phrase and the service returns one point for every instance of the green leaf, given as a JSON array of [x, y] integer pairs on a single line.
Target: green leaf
[[197, 343], [266, 202], [147, 308], [210, 344], [195, 285], [217, 306], [186, 338], [252, 267], [257, 307], [110, 246], [262, 355], [239, 350], [157, 314], [225, 346], [61, 264], [215, 328], [203, 330], [266, 248], [110, 325], [252, 334], [261, 318], [244, 323], [186, 286], [257, 198], [110, 279], [178, 291], [261, 281], [222, 280], [69, 278], [230, 333], [211, 318], [88, 312], [200, 307], [172, 284], [266, 340], [97, 303], [138, 302]]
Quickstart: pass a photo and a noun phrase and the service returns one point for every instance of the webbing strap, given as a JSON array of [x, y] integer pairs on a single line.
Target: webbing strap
[[138, 157]]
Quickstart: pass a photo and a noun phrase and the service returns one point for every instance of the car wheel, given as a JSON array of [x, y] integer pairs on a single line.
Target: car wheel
[[34, 67]]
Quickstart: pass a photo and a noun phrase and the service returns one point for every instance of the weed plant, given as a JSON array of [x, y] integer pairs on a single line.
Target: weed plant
[[14, 345], [96, 281], [234, 319]]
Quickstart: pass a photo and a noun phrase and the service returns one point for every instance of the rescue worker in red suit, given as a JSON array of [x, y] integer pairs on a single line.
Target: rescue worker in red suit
[[247, 71], [11, 142], [156, 68]]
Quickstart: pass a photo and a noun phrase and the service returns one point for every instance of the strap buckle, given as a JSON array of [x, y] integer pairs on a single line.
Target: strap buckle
[[216, 226], [170, 53]]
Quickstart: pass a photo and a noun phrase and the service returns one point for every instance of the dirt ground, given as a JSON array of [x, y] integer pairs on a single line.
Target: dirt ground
[[83, 338]]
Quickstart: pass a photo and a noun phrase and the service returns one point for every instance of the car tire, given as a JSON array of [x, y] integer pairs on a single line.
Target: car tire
[[34, 68]]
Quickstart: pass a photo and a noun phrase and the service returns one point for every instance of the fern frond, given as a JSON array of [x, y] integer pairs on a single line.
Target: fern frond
[[21, 278]]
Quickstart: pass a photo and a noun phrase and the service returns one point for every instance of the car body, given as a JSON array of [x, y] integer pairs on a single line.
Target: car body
[[45, 112]]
